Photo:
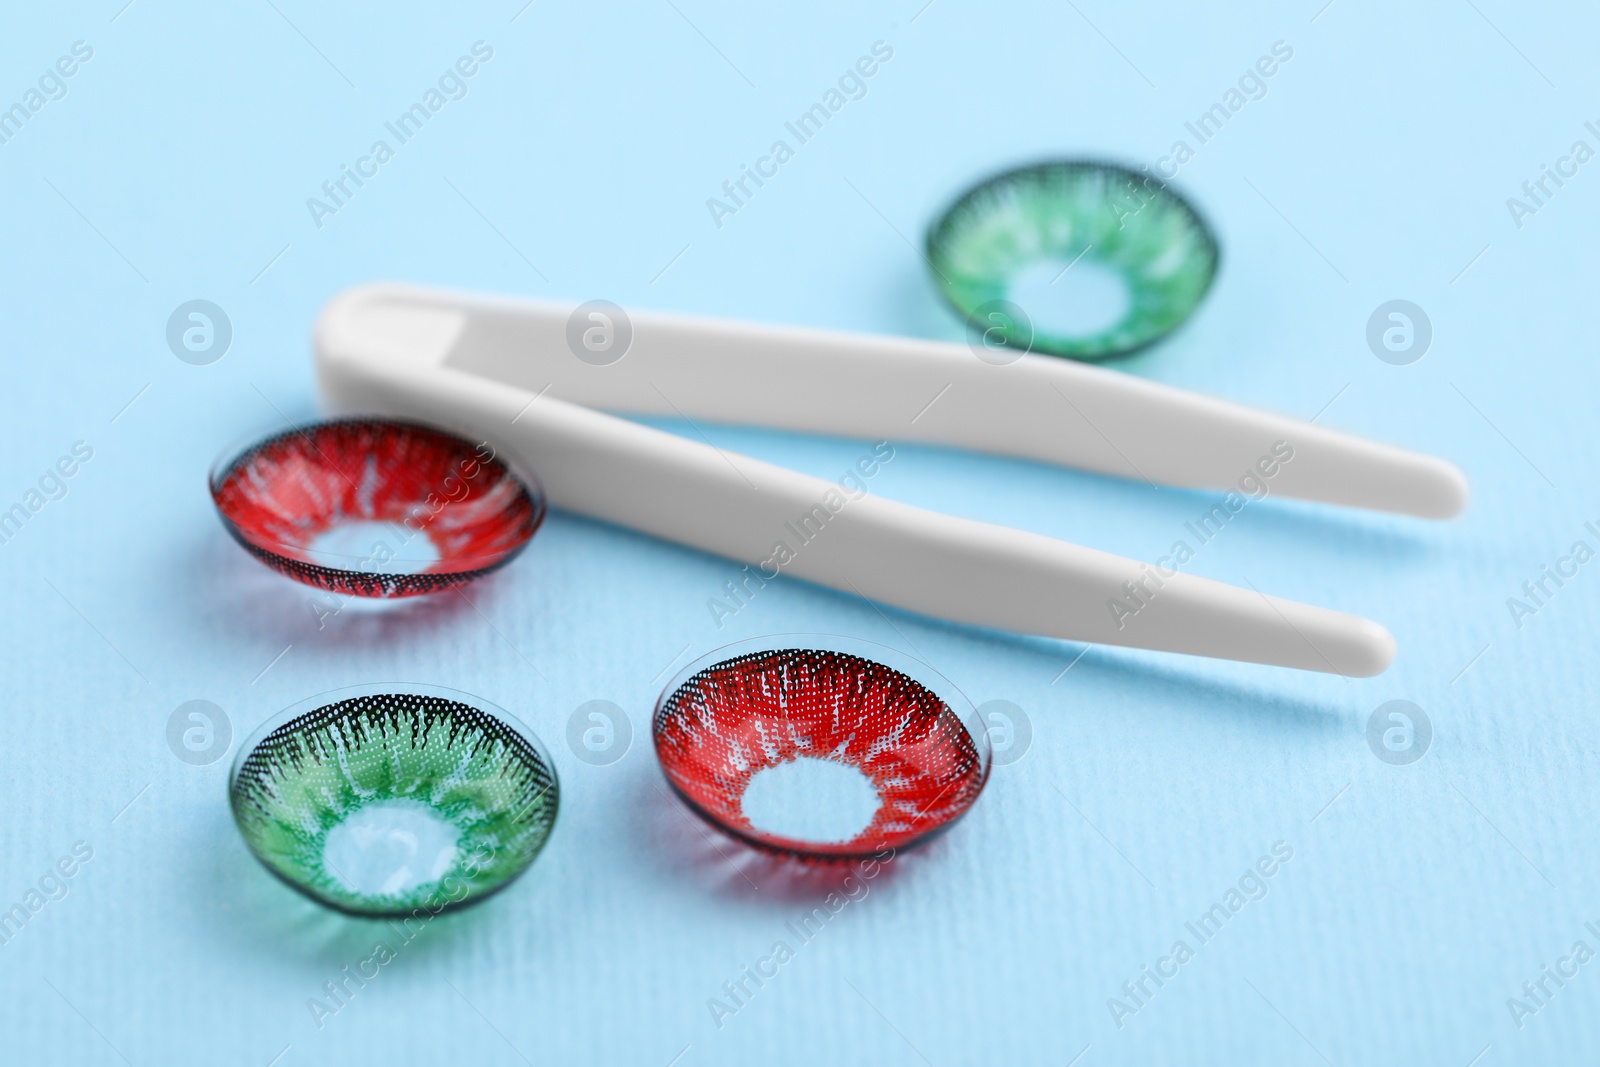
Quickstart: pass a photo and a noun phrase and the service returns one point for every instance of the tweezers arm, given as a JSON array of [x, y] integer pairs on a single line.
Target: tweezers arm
[[903, 389]]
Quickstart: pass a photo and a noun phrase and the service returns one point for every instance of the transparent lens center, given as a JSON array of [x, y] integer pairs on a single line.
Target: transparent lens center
[[1067, 299], [810, 799], [389, 847], [374, 548]]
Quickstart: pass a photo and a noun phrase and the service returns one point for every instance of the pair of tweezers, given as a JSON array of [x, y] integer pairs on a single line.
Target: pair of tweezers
[[539, 380]]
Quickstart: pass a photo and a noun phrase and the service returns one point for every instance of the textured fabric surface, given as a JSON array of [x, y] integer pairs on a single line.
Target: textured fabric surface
[[1371, 911]]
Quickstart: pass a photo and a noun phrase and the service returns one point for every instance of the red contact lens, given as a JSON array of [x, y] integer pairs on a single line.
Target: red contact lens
[[823, 750], [376, 507]]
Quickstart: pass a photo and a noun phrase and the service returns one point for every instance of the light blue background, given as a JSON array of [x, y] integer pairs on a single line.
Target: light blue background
[[1377, 167]]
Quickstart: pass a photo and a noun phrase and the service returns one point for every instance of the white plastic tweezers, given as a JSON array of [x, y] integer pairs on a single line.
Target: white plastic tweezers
[[503, 370]]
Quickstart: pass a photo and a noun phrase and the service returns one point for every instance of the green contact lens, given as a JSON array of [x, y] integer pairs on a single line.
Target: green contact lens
[[1079, 259], [382, 800]]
